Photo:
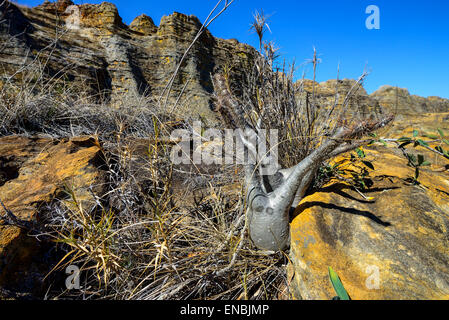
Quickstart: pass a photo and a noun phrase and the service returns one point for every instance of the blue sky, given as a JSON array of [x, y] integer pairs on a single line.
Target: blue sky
[[410, 50]]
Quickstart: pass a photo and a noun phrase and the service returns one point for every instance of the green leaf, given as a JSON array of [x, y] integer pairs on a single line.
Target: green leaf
[[446, 141], [404, 139], [420, 159], [362, 183], [411, 158], [338, 286], [360, 153], [426, 163], [368, 164], [405, 144], [383, 142], [423, 143], [415, 133], [430, 136], [441, 133]]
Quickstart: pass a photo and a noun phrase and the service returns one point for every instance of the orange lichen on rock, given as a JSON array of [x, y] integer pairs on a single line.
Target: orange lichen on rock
[[34, 171], [391, 247]]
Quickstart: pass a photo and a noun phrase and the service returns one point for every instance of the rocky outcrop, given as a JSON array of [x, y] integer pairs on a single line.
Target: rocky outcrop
[[350, 93], [33, 172], [90, 45], [426, 123], [144, 25], [400, 101], [386, 99], [390, 245]]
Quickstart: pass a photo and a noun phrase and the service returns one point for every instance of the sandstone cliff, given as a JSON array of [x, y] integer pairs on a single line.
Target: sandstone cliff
[[400, 229], [90, 45], [392, 245], [402, 102]]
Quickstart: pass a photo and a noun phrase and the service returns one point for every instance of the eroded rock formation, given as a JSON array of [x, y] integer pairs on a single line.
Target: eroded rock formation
[[90, 44], [386, 99], [403, 230]]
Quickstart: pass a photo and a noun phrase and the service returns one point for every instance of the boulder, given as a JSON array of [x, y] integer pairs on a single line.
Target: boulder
[[390, 244], [33, 172], [100, 53]]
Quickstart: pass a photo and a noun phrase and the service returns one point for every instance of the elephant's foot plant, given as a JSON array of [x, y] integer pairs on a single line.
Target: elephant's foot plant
[[271, 197]]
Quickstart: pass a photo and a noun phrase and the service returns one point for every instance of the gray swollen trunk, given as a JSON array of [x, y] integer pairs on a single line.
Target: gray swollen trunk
[[270, 198], [268, 212]]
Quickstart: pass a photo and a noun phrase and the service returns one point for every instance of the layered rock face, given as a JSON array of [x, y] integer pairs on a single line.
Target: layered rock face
[[402, 102], [90, 45], [390, 246], [338, 93], [386, 99]]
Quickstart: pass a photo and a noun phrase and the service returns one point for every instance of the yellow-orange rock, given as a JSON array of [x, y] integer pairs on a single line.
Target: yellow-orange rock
[[425, 123], [33, 172], [393, 246], [144, 25]]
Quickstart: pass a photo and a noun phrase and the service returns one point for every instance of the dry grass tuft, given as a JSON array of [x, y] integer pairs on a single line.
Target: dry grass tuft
[[141, 241], [138, 239], [141, 238]]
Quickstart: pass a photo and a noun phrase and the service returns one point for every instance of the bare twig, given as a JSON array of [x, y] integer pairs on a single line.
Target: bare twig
[[210, 18], [10, 219]]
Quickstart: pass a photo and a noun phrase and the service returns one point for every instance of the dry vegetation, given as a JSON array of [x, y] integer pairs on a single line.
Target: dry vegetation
[[137, 240], [140, 239]]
